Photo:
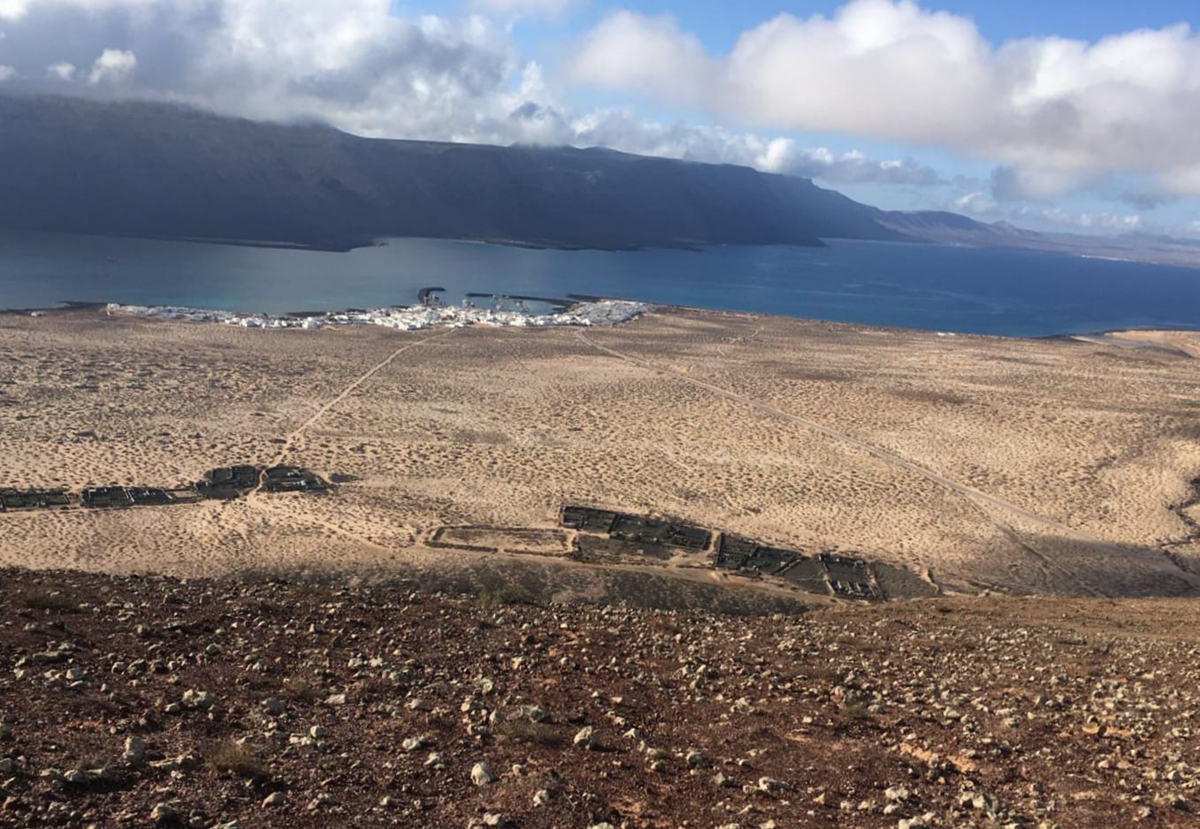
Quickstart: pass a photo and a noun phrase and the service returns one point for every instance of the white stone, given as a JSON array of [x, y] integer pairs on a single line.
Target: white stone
[[482, 775]]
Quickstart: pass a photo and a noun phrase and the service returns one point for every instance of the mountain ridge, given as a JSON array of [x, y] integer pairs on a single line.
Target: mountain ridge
[[163, 170]]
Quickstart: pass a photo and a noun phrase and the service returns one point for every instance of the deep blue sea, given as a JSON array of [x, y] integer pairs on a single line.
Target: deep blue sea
[[1014, 293]]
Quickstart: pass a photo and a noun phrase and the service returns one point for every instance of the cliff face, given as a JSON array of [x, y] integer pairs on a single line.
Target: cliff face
[[156, 170], [144, 169]]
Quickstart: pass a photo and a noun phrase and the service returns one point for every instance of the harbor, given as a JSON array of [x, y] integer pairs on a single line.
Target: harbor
[[605, 312]]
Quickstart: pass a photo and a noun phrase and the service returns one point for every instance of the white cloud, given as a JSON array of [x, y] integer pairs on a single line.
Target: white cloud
[[61, 71], [1108, 221], [621, 130], [1082, 221], [1061, 112], [523, 7], [112, 65], [13, 9], [853, 167], [633, 52], [1055, 115], [17, 9], [350, 62], [357, 65], [1039, 183], [976, 203], [982, 206], [7, 73]]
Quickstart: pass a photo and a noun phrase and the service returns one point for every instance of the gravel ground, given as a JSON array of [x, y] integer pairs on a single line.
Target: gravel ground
[[140, 701]]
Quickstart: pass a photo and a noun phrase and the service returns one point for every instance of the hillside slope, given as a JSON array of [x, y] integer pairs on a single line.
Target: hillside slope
[[143, 701], [144, 169], [164, 171], [130, 168]]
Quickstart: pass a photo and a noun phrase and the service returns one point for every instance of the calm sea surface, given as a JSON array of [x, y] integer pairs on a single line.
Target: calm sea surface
[[1013, 293]]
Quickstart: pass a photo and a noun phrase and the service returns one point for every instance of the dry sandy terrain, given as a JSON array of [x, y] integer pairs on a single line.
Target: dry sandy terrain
[[1029, 466]]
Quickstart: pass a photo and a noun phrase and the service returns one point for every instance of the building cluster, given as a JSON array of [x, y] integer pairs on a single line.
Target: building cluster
[[603, 312], [838, 575], [221, 483]]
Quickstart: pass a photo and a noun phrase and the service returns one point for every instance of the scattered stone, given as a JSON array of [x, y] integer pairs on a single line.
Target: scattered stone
[[135, 751], [482, 775], [770, 784], [198, 700], [164, 813], [961, 694], [743, 706], [585, 738]]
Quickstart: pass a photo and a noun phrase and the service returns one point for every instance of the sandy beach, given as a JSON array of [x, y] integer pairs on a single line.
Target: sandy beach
[[1058, 466]]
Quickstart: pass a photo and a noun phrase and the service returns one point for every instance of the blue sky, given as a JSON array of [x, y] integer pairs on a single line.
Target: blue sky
[[1063, 115], [718, 25]]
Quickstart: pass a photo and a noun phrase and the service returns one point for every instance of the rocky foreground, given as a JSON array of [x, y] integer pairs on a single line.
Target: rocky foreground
[[129, 701]]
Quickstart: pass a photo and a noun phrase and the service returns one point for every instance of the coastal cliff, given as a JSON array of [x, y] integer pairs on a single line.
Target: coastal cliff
[[157, 170]]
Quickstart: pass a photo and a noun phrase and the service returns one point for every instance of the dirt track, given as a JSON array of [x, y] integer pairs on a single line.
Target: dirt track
[[982, 464], [982, 499]]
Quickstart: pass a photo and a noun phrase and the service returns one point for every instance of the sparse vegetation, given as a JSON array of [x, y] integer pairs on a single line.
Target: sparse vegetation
[[507, 594], [817, 673], [856, 713], [300, 690], [55, 601], [231, 757], [531, 733]]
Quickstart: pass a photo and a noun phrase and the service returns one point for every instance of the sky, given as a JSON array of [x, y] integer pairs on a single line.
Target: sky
[[1065, 115]]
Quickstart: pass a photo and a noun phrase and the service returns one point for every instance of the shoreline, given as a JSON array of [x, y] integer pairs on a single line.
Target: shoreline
[[350, 244], [297, 319], [182, 275], [1153, 257], [603, 312]]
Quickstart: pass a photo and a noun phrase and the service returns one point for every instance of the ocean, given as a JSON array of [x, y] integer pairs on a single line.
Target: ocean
[[968, 290]]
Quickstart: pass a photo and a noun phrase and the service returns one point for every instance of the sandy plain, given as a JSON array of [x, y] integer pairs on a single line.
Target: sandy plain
[[1060, 466]]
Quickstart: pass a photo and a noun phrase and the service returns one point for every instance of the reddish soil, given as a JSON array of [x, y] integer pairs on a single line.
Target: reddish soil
[[957, 713]]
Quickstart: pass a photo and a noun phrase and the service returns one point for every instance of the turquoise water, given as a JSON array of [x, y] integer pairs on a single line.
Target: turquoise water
[[1006, 292]]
